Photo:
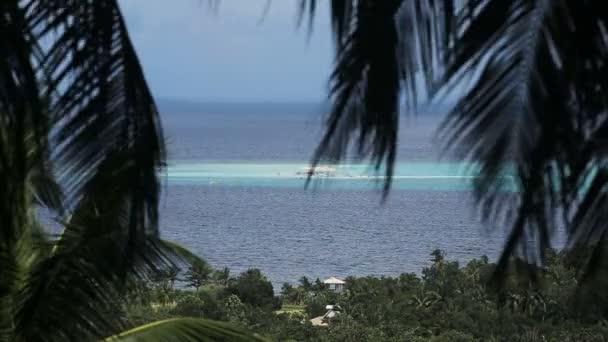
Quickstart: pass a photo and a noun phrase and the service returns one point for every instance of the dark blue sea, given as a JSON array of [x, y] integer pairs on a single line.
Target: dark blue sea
[[235, 195]]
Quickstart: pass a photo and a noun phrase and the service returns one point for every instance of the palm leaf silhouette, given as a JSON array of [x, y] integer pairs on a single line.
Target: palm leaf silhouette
[[79, 136], [531, 116]]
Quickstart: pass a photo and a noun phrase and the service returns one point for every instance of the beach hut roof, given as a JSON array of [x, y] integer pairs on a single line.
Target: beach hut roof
[[333, 280]]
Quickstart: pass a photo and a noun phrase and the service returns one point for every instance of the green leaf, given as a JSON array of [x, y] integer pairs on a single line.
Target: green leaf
[[186, 329]]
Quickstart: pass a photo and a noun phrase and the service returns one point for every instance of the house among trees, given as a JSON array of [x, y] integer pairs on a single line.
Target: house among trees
[[334, 284]]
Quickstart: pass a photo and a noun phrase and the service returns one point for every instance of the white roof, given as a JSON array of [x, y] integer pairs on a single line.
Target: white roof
[[318, 321], [333, 280]]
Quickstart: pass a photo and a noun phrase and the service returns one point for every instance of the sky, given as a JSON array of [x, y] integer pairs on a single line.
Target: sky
[[188, 52]]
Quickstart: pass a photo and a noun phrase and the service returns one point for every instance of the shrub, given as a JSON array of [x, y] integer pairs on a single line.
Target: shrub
[[254, 289], [189, 306]]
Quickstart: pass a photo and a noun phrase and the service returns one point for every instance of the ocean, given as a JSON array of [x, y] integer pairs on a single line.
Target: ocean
[[235, 194]]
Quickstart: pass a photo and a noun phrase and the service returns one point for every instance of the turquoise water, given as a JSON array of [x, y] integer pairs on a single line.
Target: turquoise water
[[408, 175]]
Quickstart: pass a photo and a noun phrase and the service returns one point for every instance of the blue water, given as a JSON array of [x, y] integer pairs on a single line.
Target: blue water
[[234, 195]]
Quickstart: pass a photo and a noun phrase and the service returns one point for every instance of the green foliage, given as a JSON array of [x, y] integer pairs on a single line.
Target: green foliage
[[189, 306], [446, 302], [222, 277], [346, 328], [212, 305], [291, 327], [315, 308], [186, 329], [287, 291], [254, 289], [452, 336], [234, 309], [198, 274], [305, 284], [449, 302]]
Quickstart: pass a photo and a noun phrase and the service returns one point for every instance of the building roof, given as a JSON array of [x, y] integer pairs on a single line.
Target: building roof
[[333, 280], [318, 321]]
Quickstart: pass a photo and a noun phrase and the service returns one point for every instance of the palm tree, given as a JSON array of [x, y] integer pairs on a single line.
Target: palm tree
[[80, 138], [532, 115], [198, 274], [222, 277]]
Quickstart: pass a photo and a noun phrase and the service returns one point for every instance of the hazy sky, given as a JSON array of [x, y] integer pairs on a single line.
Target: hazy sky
[[188, 52]]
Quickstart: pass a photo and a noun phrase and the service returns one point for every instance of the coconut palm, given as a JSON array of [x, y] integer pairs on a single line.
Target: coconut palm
[[81, 149], [531, 116]]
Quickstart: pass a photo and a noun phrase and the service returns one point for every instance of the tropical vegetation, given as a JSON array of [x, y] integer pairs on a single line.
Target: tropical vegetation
[[446, 301]]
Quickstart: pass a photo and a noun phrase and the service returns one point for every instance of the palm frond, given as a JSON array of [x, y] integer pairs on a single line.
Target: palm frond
[[365, 87], [99, 101], [533, 114], [186, 329], [342, 15], [341, 19], [72, 293], [106, 107], [537, 99], [176, 251], [75, 292], [381, 47], [108, 151], [306, 8], [45, 190], [22, 130], [21, 114]]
